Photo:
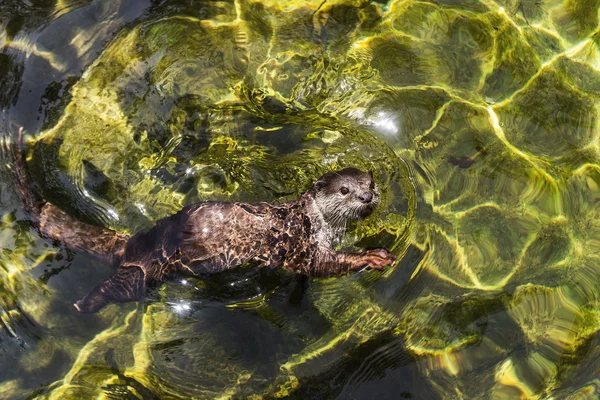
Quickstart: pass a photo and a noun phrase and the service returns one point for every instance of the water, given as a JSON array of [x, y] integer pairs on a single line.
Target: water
[[479, 120]]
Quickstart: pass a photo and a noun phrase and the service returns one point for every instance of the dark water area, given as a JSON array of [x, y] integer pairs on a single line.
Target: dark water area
[[479, 120]]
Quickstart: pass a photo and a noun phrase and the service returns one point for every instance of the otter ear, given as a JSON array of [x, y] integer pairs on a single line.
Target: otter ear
[[370, 172], [320, 184]]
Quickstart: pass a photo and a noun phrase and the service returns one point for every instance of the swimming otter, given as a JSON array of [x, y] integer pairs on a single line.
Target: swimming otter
[[215, 236]]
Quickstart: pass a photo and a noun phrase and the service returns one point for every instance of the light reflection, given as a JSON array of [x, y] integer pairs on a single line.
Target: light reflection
[[113, 214], [141, 207], [239, 282], [110, 212], [385, 123], [382, 121], [357, 113], [182, 307]]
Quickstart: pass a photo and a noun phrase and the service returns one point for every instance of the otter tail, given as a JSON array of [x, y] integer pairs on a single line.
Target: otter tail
[[55, 224], [27, 191]]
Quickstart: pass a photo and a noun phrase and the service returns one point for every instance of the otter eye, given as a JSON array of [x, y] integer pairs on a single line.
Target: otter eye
[[344, 190], [372, 185]]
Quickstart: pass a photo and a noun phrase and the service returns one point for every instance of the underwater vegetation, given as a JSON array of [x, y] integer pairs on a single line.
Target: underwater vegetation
[[479, 120]]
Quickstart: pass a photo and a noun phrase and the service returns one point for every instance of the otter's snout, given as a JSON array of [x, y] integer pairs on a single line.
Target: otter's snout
[[366, 197]]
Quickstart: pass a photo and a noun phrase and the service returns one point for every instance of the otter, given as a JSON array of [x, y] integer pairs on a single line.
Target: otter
[[214, 236]]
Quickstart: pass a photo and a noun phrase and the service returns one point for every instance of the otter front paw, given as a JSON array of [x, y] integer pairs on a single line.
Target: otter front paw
[[377, 259]]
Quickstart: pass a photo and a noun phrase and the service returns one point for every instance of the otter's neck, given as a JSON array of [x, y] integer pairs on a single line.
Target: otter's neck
[[323, 230]]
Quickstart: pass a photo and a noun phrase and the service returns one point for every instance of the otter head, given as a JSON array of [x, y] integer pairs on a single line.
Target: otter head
[[345, 195]]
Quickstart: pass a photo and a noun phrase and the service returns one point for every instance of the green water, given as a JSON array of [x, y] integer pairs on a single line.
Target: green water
[[479, 119]]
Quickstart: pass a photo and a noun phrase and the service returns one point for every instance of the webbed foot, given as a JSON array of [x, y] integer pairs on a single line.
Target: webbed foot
[[377, 259]]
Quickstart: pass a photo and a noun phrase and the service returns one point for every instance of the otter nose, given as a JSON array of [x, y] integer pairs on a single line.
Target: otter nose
[[366, 197]]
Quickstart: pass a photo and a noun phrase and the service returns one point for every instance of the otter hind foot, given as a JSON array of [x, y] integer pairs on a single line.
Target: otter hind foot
[[377, 259], [127, 284]]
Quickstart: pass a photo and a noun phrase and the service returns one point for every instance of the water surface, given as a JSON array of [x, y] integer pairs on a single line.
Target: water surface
[[479, 120]]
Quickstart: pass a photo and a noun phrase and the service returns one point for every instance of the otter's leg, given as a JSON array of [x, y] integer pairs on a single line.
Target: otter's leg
[[127, 284], [335, 263]]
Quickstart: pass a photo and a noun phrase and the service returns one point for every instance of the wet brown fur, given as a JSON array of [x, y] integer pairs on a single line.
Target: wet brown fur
[[55, 224], [211, 237]]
